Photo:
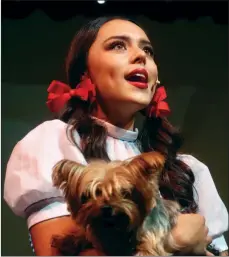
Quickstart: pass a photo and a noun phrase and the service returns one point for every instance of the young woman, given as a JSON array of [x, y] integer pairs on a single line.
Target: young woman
[[112, 75]]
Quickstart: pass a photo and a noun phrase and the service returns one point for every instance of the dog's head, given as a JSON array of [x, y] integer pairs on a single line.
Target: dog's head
[[116, 194], [130, 189]]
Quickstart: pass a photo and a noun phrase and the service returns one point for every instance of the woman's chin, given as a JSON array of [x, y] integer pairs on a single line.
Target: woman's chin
[[141, 103]]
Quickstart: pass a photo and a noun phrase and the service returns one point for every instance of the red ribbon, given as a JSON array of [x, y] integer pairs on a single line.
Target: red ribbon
[[60, 93], [158, 107]]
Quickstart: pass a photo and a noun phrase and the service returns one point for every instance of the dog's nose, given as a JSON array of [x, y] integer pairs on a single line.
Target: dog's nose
[[107, 211]]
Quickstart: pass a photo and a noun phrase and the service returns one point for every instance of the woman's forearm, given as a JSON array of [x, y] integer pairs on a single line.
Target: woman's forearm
[[224, 253]]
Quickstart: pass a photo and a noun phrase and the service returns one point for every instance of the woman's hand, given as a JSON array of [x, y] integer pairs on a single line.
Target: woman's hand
[[224, 253], [92, 252], [191, 234]]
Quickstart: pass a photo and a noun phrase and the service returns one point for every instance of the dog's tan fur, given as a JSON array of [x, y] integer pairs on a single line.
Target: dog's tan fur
[[129, 188]]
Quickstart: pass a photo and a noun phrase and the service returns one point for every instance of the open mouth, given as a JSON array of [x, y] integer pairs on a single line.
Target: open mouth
[[138, 78]]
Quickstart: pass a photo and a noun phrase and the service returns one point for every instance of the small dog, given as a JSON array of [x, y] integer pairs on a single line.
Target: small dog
[[117, 207]]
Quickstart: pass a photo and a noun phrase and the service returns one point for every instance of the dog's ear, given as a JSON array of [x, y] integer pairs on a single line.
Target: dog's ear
[[151, 161], [65, 176], [154, 160]]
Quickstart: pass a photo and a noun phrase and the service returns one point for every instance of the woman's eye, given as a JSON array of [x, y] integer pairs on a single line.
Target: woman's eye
[[149, 51], [118, 46]]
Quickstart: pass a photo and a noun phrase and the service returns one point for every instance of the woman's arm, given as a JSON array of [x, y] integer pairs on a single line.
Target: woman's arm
[[190, 229], [28, 184], [43, 232], [209, 201], [224, 253]]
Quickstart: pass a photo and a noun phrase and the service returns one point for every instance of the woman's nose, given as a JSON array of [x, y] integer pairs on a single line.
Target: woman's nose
[[138, 56]]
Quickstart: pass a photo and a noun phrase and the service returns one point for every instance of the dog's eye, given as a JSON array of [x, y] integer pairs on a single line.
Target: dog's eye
[[126, 194], [98, 192], [84, 198]]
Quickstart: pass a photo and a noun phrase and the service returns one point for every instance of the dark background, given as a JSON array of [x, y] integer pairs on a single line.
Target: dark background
[[191, 43]]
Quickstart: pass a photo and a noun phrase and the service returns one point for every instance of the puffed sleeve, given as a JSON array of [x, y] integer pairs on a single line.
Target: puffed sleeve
[[210, 204], [28, 188]]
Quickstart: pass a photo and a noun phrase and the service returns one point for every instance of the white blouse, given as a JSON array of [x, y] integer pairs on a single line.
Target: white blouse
[[28, 188]]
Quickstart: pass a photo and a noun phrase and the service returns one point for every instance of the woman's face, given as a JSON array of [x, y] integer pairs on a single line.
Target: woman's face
[[121, 65]]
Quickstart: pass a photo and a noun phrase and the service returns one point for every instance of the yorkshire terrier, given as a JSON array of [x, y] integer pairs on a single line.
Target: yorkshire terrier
[[117, 207]]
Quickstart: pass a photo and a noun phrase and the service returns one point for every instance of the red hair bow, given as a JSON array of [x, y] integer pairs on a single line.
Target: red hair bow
[[158, 107], [60, 93]]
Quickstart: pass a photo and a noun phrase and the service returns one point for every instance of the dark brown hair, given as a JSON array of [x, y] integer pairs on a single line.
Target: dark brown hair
[[158, 134]]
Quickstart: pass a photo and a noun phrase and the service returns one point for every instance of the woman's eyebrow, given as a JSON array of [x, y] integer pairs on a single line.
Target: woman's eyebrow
[[128, 39]]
